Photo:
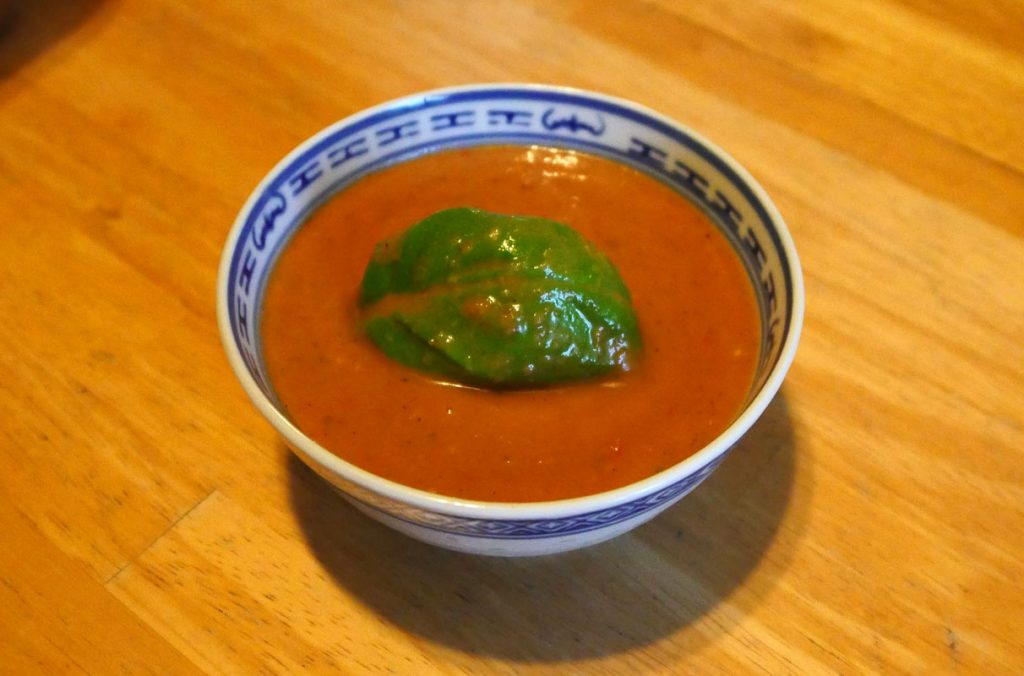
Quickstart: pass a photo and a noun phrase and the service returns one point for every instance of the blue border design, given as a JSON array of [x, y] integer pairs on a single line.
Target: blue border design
[[346, 142], [436, 100], [532, 529]]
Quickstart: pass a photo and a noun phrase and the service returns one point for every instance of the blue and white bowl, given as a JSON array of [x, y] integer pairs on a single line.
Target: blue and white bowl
[[527, 115]]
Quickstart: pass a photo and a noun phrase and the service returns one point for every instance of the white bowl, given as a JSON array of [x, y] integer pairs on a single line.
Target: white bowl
[[527, 115]]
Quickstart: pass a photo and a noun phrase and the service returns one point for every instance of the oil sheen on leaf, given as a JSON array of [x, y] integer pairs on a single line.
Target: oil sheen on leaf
[[498, 301]]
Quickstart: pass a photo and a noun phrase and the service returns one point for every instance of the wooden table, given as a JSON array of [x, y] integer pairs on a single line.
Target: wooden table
[[873, 520]]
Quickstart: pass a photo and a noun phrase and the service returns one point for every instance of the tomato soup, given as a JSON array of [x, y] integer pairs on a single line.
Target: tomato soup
[[694, 301]]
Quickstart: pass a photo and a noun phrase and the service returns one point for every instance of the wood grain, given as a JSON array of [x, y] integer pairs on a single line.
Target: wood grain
[[871, 522]]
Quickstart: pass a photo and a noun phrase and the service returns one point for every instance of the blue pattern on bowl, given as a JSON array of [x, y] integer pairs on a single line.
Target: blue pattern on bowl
[[542, 528], [489, 115]]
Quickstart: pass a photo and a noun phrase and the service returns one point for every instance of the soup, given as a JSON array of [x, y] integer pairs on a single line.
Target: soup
[[693, 299]]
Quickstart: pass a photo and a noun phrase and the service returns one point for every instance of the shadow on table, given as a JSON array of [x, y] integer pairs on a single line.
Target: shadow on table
[[623, 594], [29, 28]]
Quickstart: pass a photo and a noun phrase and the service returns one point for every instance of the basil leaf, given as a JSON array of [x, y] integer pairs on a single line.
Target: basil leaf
[[498, 301]]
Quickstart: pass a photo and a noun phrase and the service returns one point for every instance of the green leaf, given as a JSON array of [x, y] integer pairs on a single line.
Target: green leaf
[[498, 301]]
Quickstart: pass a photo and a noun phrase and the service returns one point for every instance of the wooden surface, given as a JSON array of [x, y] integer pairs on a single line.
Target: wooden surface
[[152, 522]]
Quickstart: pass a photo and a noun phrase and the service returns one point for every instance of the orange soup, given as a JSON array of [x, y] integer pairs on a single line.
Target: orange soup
[[693, 299]]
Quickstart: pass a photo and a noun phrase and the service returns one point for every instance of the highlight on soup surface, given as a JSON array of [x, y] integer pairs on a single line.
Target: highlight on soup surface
[[693, 354]]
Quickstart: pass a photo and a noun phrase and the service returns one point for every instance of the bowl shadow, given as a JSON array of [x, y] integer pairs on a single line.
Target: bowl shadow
[[629, 592]]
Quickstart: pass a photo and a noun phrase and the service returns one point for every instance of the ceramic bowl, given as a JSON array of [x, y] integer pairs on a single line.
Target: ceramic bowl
[[510, 114]]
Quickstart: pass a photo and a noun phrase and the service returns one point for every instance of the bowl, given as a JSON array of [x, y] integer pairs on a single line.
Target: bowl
[[510, 114]]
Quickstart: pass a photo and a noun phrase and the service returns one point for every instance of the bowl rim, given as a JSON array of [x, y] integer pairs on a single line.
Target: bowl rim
[[486, 510]]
